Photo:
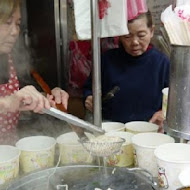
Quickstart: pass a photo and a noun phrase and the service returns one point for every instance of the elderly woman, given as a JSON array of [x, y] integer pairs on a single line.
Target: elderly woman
[[139, 70], [12, 99]]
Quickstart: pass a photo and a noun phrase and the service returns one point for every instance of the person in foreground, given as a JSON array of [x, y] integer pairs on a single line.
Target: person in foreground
[[139, 71], [13, 100]]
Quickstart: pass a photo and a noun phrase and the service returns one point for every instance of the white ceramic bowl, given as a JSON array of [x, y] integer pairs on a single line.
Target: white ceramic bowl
[[113, 126], [144, 145], [141, 127], [172, 159]]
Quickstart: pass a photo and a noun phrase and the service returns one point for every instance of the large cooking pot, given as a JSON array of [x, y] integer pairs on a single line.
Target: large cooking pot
[[85, 178]]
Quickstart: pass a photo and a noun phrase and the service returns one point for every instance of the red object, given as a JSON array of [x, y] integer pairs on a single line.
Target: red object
[[45, 88], [149, 47], [41, 82], [80, 63], [103, 7], [81, 60]]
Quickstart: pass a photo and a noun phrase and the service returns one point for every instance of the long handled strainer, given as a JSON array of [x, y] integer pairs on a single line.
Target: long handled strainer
[[73, 120], [103, 146], [79, 131]]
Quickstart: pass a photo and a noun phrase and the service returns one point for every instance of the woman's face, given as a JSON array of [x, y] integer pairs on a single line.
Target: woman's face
[[9, 32], [139, 37]]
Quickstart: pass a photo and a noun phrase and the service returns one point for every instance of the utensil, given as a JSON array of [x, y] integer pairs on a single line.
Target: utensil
[[125, 157], [73, 120], [47, 90], [102, 149], [110, 94]]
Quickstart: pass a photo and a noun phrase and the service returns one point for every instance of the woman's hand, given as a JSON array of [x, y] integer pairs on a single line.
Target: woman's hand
[[89, 103], [28, 98], [9, 104], [58, 96], [158, 119]]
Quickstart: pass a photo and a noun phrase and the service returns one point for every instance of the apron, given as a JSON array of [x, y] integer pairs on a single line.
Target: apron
[[9, 120]]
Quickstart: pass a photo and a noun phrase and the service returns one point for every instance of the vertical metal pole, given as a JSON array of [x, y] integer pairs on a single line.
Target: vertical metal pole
[[95, 28], [64, 42], [58, 40]]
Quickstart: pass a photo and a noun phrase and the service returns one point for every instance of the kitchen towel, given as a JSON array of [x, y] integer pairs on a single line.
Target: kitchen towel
[[112, 15]]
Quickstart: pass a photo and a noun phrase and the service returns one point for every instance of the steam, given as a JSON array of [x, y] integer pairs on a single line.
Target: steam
[[22, 62]]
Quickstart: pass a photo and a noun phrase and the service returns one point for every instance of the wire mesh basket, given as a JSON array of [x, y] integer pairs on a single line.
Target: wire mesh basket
[[103, 146]]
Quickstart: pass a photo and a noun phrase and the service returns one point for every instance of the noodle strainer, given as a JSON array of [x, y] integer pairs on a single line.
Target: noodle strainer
[[102, 149]]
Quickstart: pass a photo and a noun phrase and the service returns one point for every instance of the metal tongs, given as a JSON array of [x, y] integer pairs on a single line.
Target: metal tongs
[[73, 120]]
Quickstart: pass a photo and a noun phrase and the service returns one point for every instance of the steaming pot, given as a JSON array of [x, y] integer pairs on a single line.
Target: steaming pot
[[85, 178]]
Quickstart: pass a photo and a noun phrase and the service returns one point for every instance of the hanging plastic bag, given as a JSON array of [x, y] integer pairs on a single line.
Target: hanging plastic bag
[[80, 59], [136, 7], [80, 63], [112, 14]]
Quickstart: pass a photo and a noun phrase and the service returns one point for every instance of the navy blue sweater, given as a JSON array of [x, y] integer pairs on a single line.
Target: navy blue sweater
[[140, 79]]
